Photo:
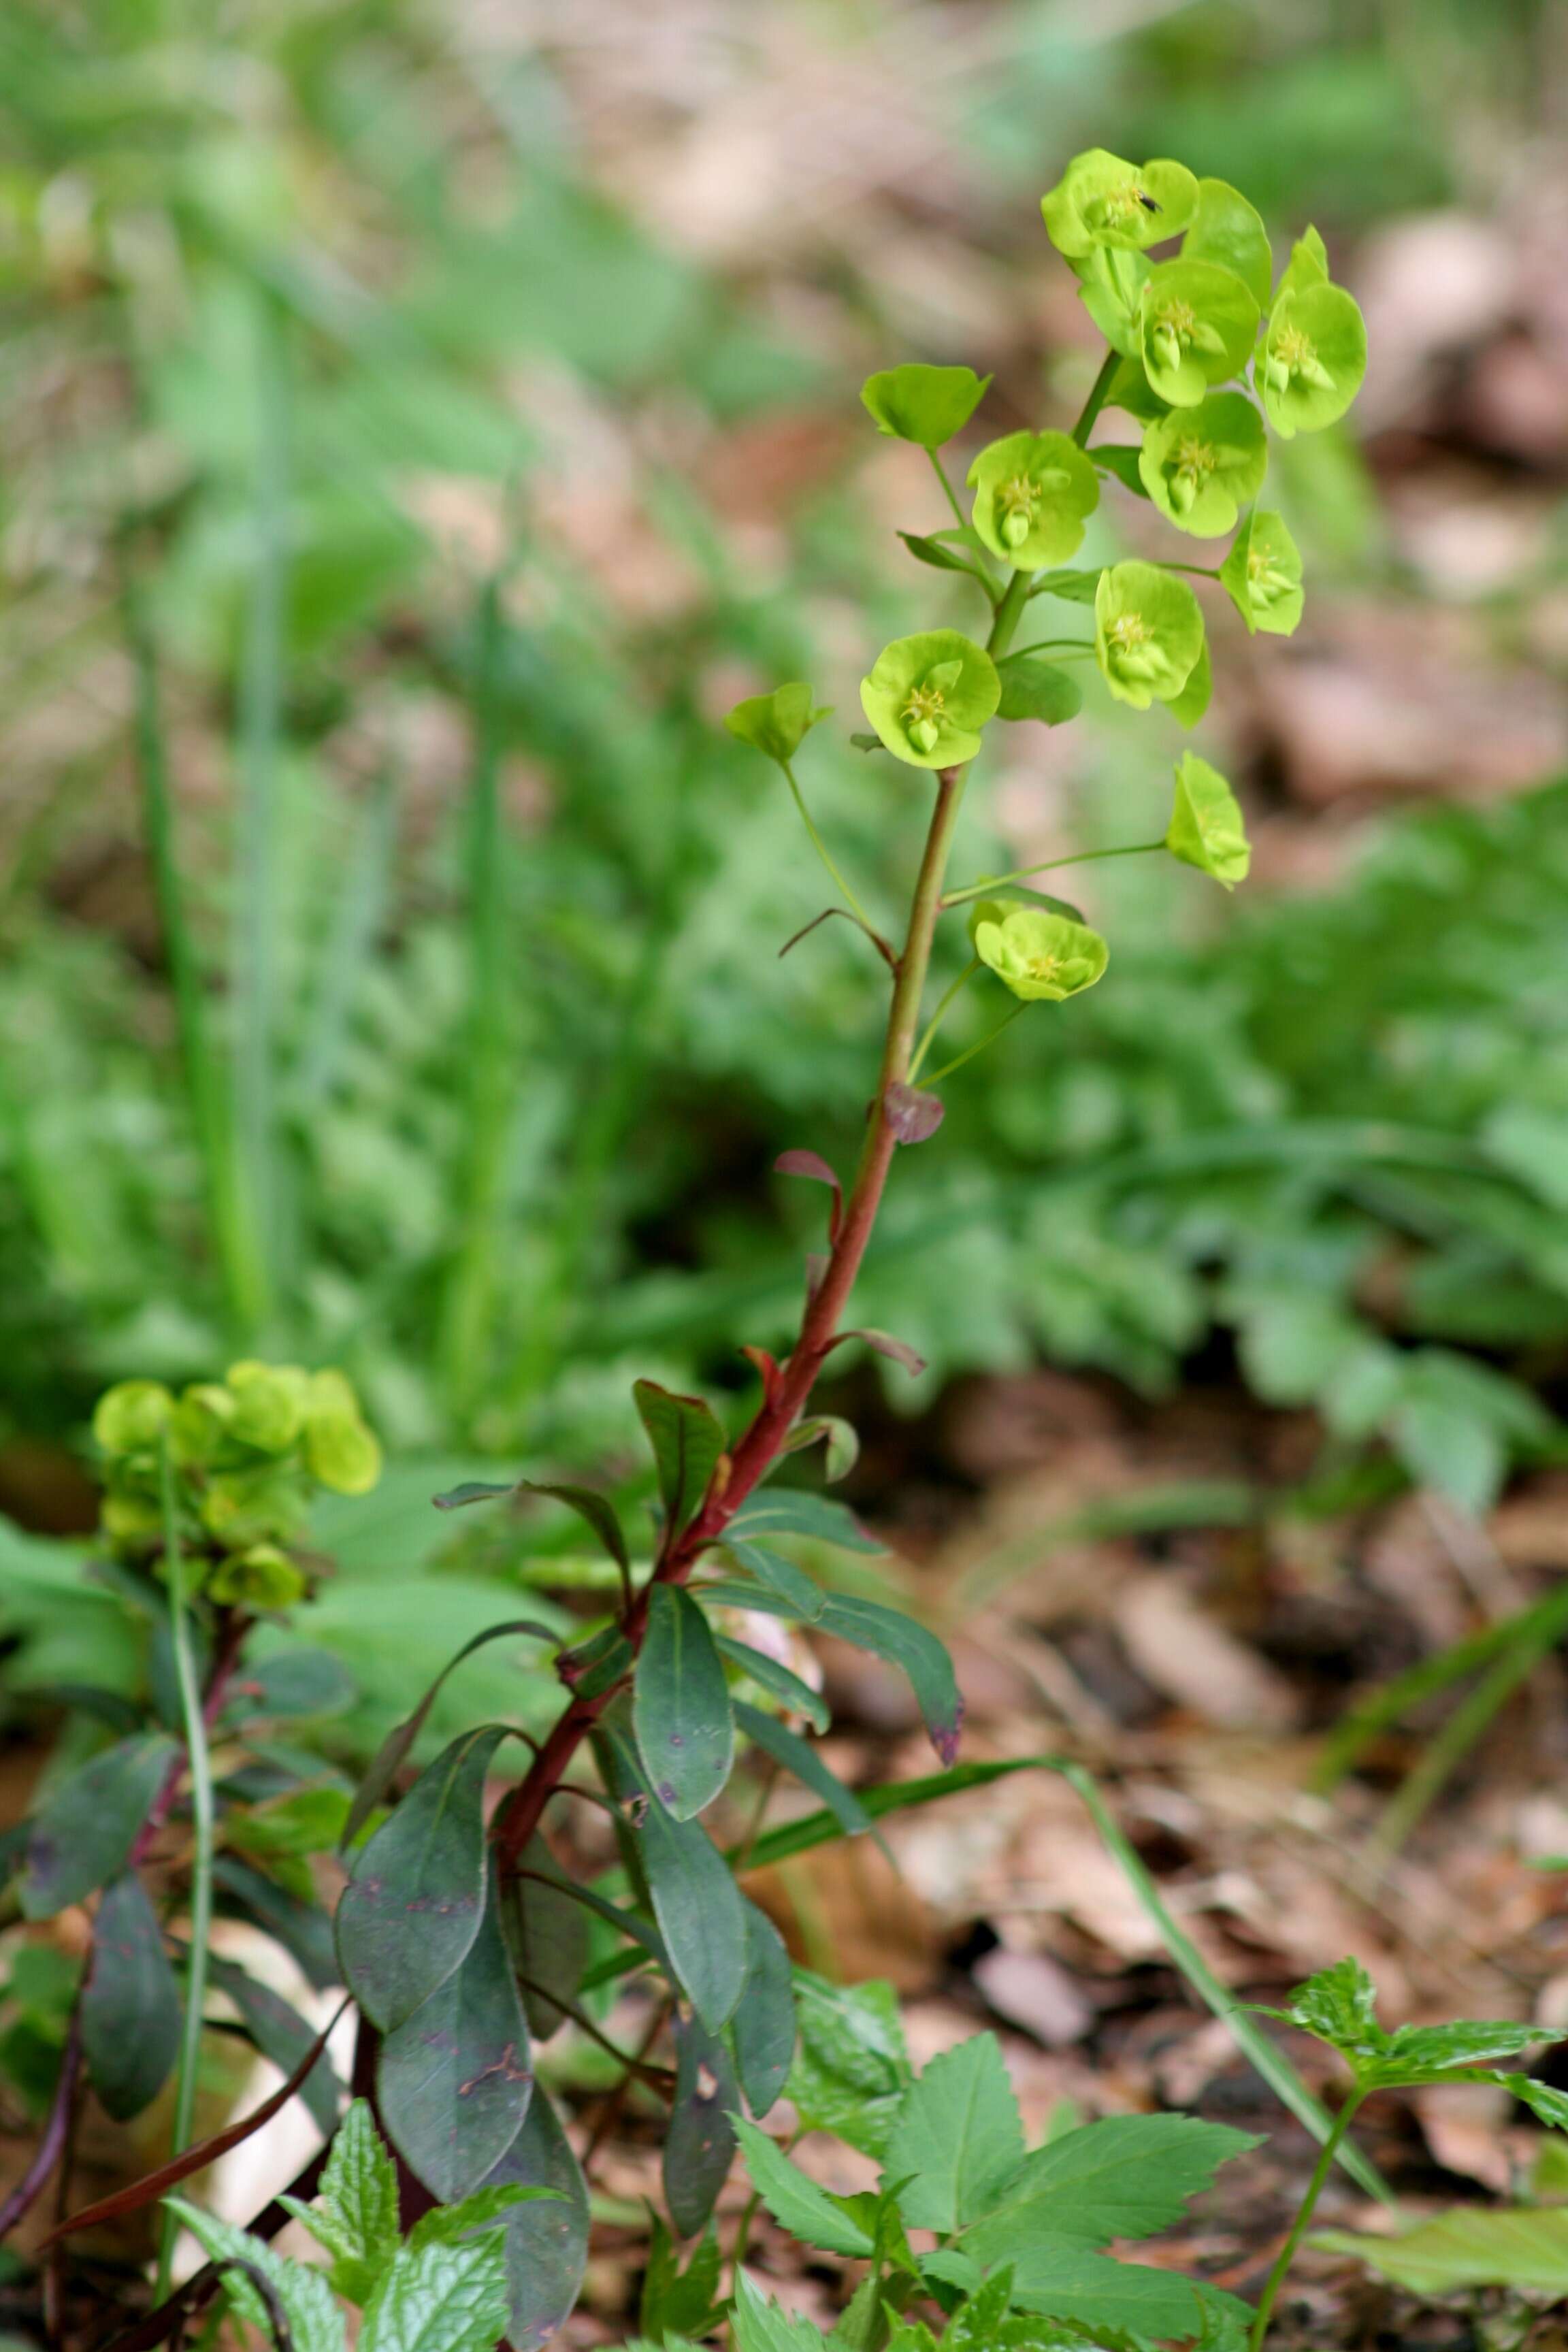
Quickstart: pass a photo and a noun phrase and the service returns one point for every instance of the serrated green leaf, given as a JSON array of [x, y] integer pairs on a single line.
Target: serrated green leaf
[[796, 2203], [959, 2137], [1431, 2049], [1125, 2176], [1339, 2005], [1066, 2282], [764, 2029], [411, 1911], [130, 2007], [358, 2193], [674, 2301], [1525, 2249], [758, 2324], [447, 2295], [680, 1705], [314, 2320], [82, 1834], [687, 1442], [485, 2208], [851, 2069]]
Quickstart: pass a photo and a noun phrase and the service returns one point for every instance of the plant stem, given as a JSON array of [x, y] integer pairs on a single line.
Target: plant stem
[[1198, 571], [193, 1722], [1051, 645], [959, 1060], [1096, 401], [1009, 612], [1046, 865], [823, 851], [1287, 2253], [940, 470], [934, 1023], [56, 2130]]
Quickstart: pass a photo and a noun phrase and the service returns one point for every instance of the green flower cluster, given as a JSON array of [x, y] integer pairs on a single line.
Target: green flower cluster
[[247, 1453]]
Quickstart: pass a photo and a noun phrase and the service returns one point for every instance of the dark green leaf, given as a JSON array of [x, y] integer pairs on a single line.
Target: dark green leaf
[[959, 2137], [473, 1490], [292, 1683], [594, 1508], [699, 2139], [131, 2004], [451, 2296], [546, 2241], [281, 2034], [548, 1932], [1127, 2176], [687, 1442], [852, 2071], [796, 2201], [890, 1634], [1033, 688], [597, 1665], [680, 1705], [303, 1929], [786, 1686], [390, 1755], [763, 2027], [410, 1913], [695, 1900], [454, 2080], [788, 1748], [797, 1511], [82, 1834], [790, 1838], [781, 1575]]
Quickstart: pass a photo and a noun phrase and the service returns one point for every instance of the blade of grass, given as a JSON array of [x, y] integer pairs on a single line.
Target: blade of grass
[[349, 945]]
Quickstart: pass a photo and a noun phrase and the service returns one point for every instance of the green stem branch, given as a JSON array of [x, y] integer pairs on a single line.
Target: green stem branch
[[823, 851], [1287, 2253], [959, 1060], [934, 1023], [940, 470], [1046, 865], [1096, 401]]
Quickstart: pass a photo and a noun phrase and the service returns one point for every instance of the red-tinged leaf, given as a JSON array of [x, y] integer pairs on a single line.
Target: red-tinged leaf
[[884, 1344], [154, 2185], [816, 1265], [767, 1369], [812, 1164], [85, 1829], [912, 1116]]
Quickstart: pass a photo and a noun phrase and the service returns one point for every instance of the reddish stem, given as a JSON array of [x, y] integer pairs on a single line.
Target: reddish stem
[[52, 2146]]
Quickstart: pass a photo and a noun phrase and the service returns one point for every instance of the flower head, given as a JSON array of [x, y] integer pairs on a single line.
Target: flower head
[[928, 696], [1033, 493], [1148, 632], [926, 404], [1262, 575], [1314, 358], [1038, 955], [1197, 323], [1201, 465], [1101, 200], [1207, 829]]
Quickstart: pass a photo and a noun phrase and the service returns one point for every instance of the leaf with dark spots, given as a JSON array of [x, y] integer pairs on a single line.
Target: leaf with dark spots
[[453, 2081], [812, 1164], [131, 2004], [763, 2027], [687, 1442], [882, 1343], [680, 1705], [409, 1916], [389, 1757], [83, 1833], [281, 2034], [547, 2239], [913, 1116], [699, 2143], [893, 1635], [548, 1934]]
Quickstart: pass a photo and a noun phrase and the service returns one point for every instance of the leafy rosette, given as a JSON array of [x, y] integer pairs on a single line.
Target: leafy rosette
[[1040, 956], [1314, 358], [928, 696], [1262, 575], [1148, 632], [776, 724], [1033, 494], [1197, 326], [1102, 201], [1201, 465], [924, 405], [1207, 829]]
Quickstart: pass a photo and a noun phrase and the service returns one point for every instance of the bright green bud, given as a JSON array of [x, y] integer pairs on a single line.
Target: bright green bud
[[1207, 828], [1033, 494], [1148, 632], [240, 1507], [268, 1404], [928, 696], [777, 723], [1313, 360], [262, 1576], [1102, 201], [1201, 466], [1038, 956], [928, 405], [1199, 324], [1225, 229], [1262, 575], [132, 1416], [339, 1446]]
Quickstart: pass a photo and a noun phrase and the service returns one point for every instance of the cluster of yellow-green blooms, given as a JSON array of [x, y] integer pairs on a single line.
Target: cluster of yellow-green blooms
[[245, 1452]]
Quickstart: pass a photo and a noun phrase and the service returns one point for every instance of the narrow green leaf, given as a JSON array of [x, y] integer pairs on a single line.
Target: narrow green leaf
[[797, 1511], [131, 2004], [680, 1705], [548, 1933], [797, 1756], [695, 1899], [959, 2137], [281, 2034], [796, 2203], [451, 2296], [687, 1442], [779, 1576], [411, 1912], [896, 1637], [546, 2240], [771, 1677], [400, 1740], [764, 2029], [852, 2071], [82, 1834], [699, 2140]]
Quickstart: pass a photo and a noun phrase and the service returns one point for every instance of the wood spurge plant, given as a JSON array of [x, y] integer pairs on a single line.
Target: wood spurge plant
[[449, 2199]]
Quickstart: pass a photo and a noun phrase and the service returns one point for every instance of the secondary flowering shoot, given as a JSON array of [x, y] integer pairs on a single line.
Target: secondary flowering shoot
[[1201, 465], [1198, 325], [1262, 575], [1207, 829], [1041, 957], [1148, 632], [928, 696], [1033, 494], [1101, 200]]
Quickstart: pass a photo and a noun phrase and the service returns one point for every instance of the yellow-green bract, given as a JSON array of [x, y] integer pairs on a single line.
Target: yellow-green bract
[[1039, 956], [1227, 229], [1314, 358], [1201, 465], [928, 696], [1148, 632], [1101, 200], [1207, 829], [1198, 323], [776, 724], [1262, 575], [925, 405], [1033, 493]]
